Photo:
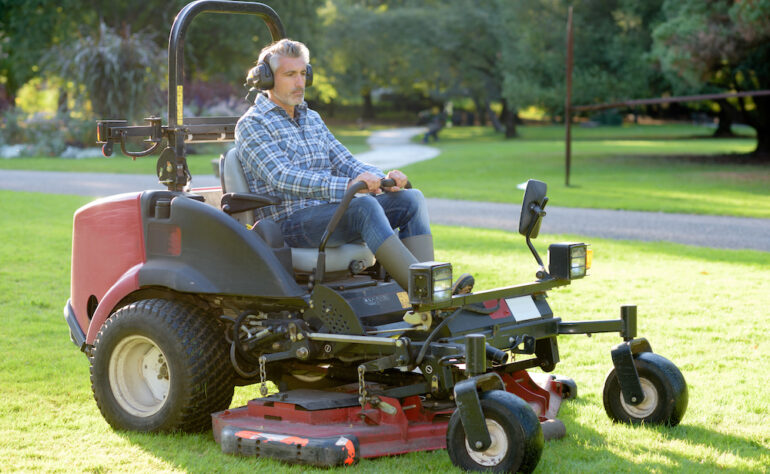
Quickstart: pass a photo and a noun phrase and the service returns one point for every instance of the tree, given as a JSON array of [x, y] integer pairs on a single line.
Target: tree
[[119, 72], [722, 44], [374, 46], [27, 29]]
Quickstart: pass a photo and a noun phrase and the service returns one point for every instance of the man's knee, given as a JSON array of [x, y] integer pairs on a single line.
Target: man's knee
[[363, 203], [413, 198], [366, 207]]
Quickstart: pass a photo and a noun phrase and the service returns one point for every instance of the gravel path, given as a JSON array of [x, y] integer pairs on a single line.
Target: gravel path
[[392, 148]]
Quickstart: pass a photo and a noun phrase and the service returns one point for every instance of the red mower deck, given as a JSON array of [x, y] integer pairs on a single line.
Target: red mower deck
[[329, 428]]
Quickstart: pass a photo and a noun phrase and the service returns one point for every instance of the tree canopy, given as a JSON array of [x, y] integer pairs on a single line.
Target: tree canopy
[[505, 52], [722, 45]]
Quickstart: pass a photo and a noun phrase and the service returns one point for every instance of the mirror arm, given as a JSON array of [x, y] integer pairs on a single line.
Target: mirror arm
[[539, 212]]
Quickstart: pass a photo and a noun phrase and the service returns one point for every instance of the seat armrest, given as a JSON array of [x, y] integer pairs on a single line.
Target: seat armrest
[[238, 202]]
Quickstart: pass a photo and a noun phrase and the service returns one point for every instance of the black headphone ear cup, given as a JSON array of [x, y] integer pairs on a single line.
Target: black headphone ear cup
[[265, 79], [308, 76]]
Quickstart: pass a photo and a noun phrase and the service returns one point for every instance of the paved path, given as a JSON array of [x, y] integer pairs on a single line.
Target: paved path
[[391, 148]]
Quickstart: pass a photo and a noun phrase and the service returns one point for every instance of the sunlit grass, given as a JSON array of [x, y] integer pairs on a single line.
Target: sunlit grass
[[629, 173], [704, 309]]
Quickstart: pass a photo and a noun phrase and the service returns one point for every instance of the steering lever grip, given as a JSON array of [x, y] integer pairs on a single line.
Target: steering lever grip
[[389, 183]]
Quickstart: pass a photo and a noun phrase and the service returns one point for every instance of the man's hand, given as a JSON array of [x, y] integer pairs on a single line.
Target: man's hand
[[372, 182], [399, 178]]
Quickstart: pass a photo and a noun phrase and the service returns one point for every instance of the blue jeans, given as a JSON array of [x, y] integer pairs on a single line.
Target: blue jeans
[[369, 218]]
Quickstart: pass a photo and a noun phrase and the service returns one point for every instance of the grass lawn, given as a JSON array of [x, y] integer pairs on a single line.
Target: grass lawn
[[630, 167], [706, 310], [199, 162]]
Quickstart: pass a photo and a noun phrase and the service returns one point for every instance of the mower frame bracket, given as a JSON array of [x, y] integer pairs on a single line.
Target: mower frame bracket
[[469, 407]]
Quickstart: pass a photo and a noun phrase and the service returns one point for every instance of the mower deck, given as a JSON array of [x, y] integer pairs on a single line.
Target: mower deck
[[329, 428]]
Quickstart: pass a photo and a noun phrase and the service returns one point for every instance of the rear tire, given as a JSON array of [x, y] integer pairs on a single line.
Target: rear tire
[[161, 365], [665, 393], [517, 437]]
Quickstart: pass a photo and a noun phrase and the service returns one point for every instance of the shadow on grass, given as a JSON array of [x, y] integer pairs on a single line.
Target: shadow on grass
[[686, 460], [747, 159]]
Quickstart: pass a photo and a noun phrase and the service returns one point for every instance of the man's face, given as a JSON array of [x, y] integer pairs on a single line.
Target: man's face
[[289, 88]]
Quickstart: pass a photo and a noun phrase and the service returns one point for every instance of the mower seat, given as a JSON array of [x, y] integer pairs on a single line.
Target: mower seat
[[342, 258]]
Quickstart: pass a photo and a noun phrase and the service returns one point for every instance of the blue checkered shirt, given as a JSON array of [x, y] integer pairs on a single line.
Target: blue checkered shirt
[[298, 160]]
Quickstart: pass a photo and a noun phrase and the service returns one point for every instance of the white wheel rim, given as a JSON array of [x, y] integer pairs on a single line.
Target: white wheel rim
[[648, 405], [494, 454], [307, 376], [139, 376]]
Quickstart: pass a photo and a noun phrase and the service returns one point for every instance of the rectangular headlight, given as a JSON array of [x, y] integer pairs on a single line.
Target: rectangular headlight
[[430, 283], [568, 261]]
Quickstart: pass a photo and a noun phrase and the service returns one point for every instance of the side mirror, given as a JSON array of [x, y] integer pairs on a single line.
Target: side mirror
[[532, 208]]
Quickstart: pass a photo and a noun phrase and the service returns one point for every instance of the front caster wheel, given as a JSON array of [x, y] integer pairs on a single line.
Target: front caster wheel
[[517, 438], [665, 393]]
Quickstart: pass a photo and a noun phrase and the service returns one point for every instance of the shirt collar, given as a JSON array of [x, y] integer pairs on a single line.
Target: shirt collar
[[265, 105]]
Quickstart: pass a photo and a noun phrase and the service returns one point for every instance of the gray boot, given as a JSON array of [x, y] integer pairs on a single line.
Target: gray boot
[[421, 247], [395, 258]]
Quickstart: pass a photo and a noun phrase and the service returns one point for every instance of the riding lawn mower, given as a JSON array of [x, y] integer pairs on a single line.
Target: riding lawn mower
[[178, 296]]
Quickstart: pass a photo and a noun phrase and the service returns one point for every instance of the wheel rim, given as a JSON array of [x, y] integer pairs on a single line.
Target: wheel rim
[[494, 454], [139, 376], [307, 376], [648, 405]]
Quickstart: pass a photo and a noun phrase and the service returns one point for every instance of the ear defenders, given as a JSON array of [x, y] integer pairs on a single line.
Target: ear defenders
[[261, 76]]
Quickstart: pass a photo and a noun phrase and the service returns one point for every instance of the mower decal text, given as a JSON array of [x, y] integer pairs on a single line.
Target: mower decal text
[[375, 300], [348, 448], [255, 435]]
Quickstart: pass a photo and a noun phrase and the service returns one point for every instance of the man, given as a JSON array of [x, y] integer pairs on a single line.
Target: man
[[287, 151]]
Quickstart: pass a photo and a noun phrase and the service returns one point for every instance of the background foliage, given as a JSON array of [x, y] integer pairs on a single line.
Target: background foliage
[[494, 58]]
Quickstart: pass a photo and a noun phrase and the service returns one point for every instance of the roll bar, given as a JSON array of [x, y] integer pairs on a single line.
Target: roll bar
[[177, 36], [172, 163]]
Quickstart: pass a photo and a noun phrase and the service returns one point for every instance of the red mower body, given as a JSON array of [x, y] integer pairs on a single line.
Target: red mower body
[[107, 251]]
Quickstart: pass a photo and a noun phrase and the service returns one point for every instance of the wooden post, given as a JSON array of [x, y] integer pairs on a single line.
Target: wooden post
[[568, 103]]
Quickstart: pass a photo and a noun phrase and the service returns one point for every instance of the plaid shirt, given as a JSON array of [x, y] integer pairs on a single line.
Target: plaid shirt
[[298, 160]]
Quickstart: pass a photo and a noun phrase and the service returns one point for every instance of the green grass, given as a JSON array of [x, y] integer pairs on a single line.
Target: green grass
[[635, 167], [612, 167], [706, 310], [199, 162]]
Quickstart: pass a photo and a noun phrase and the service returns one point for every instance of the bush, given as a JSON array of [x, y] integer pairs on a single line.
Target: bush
[[45, 135], [608, 117], [121, 73]]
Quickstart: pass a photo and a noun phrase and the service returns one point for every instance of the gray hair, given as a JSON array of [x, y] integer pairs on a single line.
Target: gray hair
[[284, 48]]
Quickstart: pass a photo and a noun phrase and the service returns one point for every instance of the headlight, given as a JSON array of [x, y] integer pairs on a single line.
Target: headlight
[[568, 261], [430, 283]]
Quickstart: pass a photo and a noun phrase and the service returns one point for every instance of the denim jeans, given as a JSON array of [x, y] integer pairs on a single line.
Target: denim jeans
[[369, 218]]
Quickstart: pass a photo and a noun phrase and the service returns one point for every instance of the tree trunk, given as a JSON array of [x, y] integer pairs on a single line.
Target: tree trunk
[[62, 102], [368, 112], [508, 118], [761, 124], [762, 152], [725, 117], [481, 111], [7, 100], [492, 117]]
